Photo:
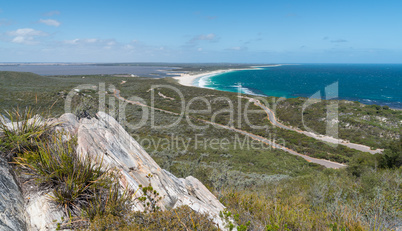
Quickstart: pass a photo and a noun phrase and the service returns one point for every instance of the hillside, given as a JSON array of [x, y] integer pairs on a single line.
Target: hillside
[[263, 188]]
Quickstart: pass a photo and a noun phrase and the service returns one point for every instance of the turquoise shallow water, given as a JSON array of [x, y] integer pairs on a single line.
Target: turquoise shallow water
[[367, 83]]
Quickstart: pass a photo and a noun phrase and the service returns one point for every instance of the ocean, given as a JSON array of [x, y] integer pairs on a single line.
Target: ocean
[[379, 84]]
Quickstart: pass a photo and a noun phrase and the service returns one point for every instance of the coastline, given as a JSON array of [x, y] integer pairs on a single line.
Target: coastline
[[188, 79], [191, 79]]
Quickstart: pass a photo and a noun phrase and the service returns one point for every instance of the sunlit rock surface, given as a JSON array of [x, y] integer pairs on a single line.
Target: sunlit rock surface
[[104, 139]]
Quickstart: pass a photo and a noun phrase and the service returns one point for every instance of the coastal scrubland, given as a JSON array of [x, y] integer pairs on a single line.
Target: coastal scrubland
[[263, 188]]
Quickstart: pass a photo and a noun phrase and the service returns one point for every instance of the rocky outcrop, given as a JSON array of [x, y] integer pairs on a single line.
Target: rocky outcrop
[[103, 139], [11, 201]]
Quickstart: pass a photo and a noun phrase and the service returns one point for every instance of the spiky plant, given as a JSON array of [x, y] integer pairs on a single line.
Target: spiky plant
[[20, 130]]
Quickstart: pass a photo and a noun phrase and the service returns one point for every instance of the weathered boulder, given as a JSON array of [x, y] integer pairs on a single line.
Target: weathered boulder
[[67, 124], [11, 200], [104, 139]]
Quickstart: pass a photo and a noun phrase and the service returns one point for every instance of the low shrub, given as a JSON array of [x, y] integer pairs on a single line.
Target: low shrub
[[182, 218], [20, 130], [84, 189]]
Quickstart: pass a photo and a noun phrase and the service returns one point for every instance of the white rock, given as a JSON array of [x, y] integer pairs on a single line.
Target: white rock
[[104, 139], [41, 212]]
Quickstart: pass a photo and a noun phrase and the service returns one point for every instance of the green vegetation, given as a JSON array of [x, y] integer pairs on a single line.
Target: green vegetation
[[263, 188], [90, 194], [182, 218], [46, 93], [392, 157], [75, 181], [331, 200], [25, 127], [77, 185], [358, 123]]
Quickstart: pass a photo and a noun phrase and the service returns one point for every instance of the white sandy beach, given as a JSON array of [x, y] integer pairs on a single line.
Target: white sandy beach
[[189, 79]]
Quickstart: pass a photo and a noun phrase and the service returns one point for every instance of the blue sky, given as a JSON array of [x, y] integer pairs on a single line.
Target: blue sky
[[287, 31]]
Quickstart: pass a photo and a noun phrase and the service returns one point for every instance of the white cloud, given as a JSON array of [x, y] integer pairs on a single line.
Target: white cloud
[[111, 43], [81, 41], [237, 48], [93, 42], [203, 37], [50, 22], [26, 36], [72, 42], [128, 47]]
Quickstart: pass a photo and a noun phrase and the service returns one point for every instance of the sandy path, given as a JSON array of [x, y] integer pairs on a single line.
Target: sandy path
[[329, 139]]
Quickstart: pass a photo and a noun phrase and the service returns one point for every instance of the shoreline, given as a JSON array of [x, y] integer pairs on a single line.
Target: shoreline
[[188, 79]]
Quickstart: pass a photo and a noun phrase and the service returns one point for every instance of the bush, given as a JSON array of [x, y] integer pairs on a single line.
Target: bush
[[182, 218], [111, 202], [392, 157], [360, 163], [79, 185], [25, 127], [331, 200]]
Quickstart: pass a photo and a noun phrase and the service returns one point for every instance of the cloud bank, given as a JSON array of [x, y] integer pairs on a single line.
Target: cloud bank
[[26, 36], [50, 22]]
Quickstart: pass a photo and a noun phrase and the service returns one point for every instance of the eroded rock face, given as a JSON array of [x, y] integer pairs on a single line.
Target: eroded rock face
[[11, 201], [103, 138]]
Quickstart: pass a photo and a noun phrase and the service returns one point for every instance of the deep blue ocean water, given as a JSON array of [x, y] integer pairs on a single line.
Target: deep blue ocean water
[[367, 83]]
